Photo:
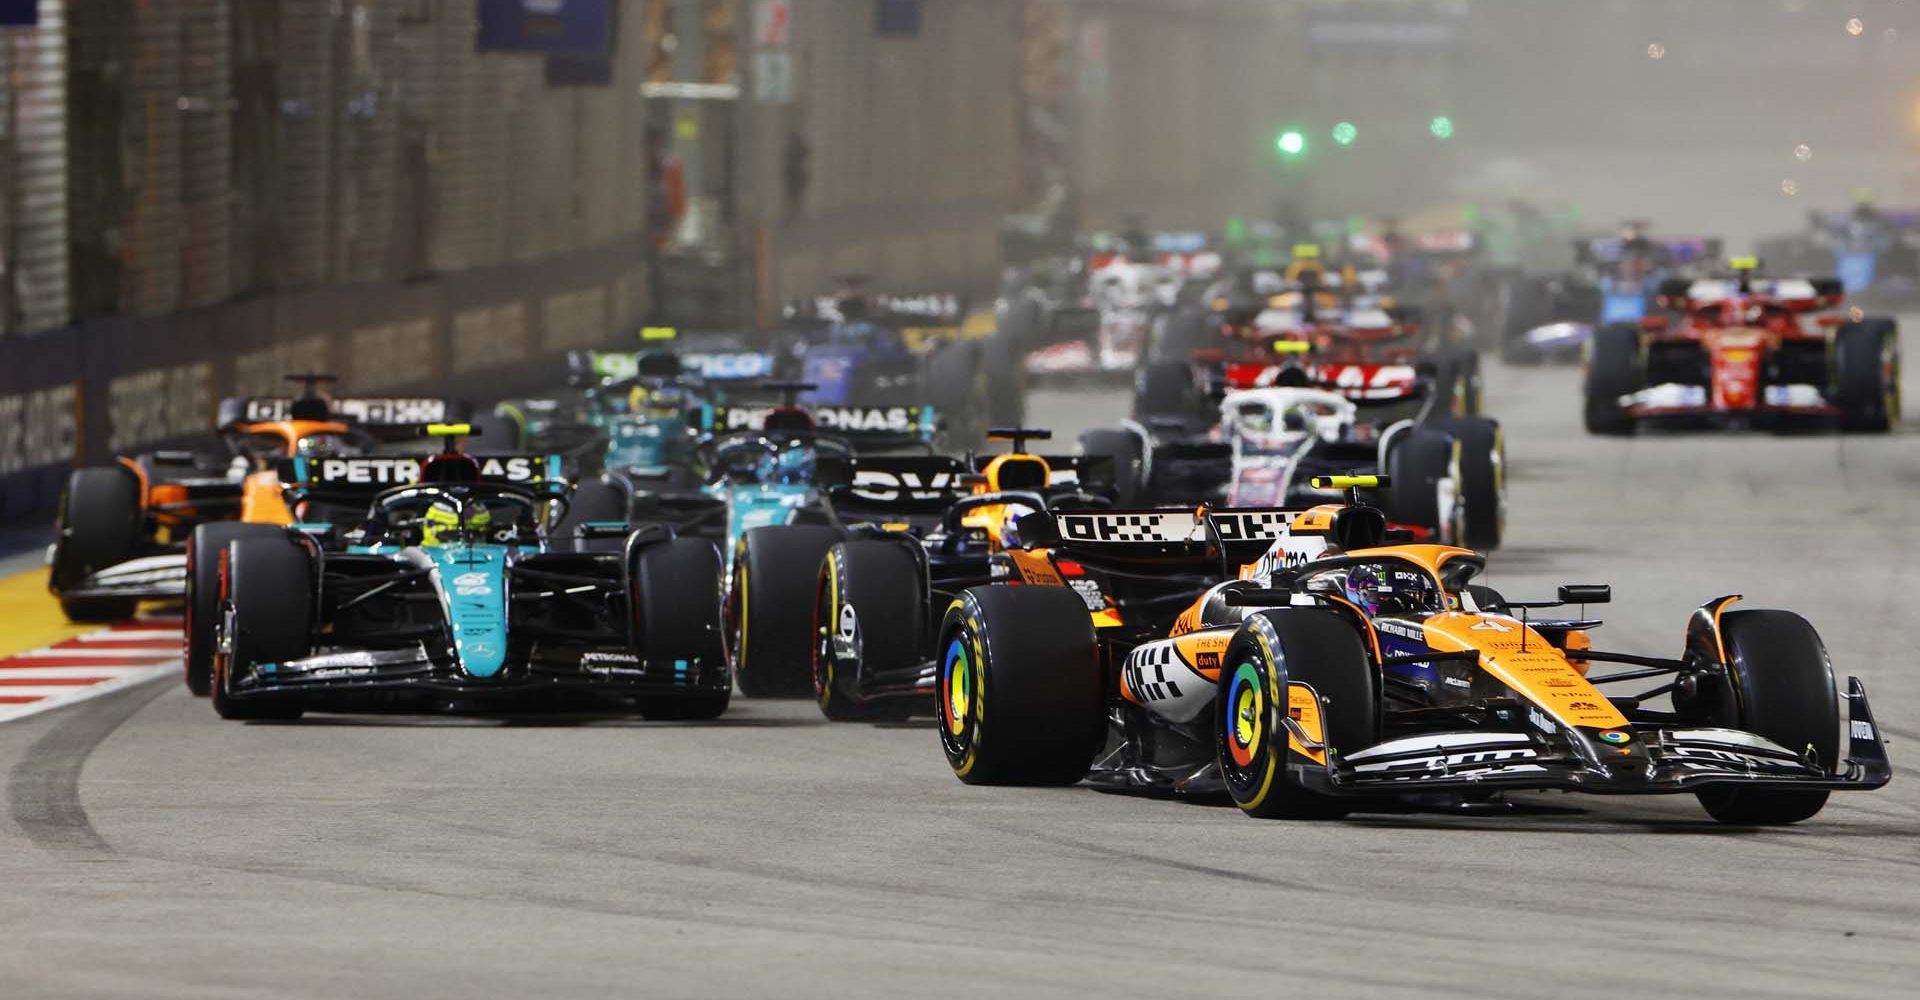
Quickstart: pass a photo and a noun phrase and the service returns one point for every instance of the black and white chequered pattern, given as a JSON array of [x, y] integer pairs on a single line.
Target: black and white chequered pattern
[[1146, 672], [1166, 527]]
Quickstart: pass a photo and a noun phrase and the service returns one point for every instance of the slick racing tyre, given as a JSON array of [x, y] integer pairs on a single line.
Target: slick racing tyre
[[1281, 662], [1528, 304], [99, 526], [1866, 375], [1123, 447], [1612, 370], [676, 593], [1003, 357], [266, 596], [1420, 460], [1780, 686], [592, 500], [1482, 487], [1165, 389], [871, 601], [496, 433], [1174, 336], [1462, 371], [1018, 695], [957, 385], [770, 608], [204, 547]]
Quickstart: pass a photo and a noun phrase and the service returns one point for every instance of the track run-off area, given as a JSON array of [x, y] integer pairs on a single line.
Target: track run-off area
[[150, 849]]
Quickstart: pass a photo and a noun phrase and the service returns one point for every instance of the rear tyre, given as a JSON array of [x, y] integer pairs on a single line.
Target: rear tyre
[[1482, 483], [1528, 304], [1129, 481], [1006, 371], [266, 594], [871, 597], [1866, 362], [1781, 687], [770, 608], [593, 500], [99, 526], [204, 547], [1174, 337], [495, 434], [1418, 461], [957, 385], [1613, 370], [676, 593], [1464, 365], [1165, 389], [1279, 662], [1018, 694]]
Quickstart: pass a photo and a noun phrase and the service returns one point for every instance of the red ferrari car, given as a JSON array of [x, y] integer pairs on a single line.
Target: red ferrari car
[[1746, 351]]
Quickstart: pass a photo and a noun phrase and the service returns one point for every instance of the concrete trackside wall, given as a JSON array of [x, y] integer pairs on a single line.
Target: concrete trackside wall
[[124, 384]]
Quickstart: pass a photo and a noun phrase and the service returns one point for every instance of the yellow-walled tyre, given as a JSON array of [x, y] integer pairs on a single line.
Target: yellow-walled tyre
[[1301, 662], [1018, 696]]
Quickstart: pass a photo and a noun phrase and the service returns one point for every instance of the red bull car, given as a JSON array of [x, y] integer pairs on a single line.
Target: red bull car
[[1746, 351]]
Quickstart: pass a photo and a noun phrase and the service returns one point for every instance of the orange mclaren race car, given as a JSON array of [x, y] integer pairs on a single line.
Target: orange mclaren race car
[[1316, 682]]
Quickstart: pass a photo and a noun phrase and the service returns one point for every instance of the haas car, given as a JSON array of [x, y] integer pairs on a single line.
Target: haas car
[[1406, 405], [122, 530], [1746, 351], [449, 592], [1341, 671]]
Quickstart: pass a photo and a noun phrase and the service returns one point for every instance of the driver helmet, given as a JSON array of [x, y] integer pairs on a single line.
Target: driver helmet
[[656, 400], [1390, 590], [1365, 588], [444, 523], [322, 446], [1299, 416], [789, 465]]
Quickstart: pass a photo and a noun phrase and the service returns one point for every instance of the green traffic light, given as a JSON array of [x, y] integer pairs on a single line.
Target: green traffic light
[[1441, 127], [1290, 143], [1344, 133]]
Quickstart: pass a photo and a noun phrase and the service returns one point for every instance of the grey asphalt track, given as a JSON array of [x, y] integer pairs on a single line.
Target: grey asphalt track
[[150, 850]]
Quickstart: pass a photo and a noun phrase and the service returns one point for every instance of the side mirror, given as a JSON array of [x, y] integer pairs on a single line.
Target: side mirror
[[1036, 531], [1586, 593]]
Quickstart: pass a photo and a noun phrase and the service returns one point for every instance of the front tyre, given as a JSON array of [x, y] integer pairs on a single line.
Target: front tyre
[[266, 597], [1482, 484], [1018, 694], [1418, 461], [204, 548], [676, 591], [99, 526], [1613, 370], [770, 608], [1866, 362], [1780, 686], [872, 604], [1306, 667]]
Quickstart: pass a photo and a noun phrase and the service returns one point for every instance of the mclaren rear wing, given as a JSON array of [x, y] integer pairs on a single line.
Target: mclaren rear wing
[[1185, 539]]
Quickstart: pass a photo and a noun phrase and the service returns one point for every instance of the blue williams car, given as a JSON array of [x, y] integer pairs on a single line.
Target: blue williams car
[[453, 593]]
